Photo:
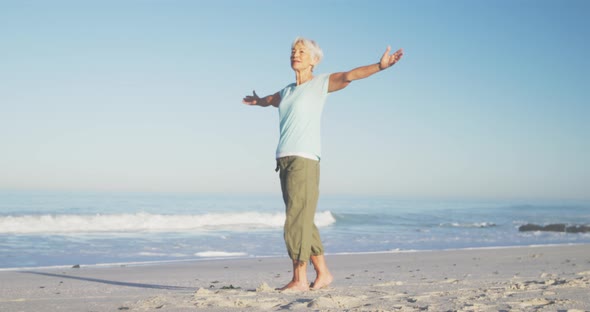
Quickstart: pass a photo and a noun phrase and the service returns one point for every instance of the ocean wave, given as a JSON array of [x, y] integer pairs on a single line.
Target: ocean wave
[[468, 225], [161, 254], [219, 254], [147, 222]]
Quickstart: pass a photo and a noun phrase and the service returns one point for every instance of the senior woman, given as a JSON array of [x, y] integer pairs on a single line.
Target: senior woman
[[298, 153]]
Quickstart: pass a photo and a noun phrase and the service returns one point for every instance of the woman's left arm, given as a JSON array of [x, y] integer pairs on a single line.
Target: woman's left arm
[[339, 81]]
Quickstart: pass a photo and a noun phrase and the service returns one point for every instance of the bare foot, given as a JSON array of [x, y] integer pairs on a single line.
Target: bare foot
[[322, 281], [295, 286]]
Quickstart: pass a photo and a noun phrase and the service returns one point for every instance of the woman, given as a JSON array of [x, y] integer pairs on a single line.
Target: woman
[[298, 153]]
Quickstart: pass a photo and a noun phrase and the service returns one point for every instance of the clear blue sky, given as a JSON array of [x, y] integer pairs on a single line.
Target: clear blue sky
[[490, 100]]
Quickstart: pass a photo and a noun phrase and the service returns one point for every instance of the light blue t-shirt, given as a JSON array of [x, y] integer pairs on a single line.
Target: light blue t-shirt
[[300, 112]]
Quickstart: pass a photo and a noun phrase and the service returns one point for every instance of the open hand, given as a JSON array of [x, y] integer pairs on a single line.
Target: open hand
[[388, 60], [251, 99]]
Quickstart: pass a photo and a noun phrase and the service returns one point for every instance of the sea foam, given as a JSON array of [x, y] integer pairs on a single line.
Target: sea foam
[[219, 254], [147, 222]]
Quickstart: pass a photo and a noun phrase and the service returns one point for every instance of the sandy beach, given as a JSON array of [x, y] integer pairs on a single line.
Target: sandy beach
[[549, 278]]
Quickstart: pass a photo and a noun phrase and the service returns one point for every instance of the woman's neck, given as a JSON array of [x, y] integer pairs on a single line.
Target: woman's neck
[[303, 76]]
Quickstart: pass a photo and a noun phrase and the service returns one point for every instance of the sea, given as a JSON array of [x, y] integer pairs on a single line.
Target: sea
[[64, 229]]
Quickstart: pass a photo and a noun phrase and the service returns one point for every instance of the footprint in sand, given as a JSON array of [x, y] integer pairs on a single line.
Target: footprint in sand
[[537, 302], [265, 288], [332, 302], [390, 283], [156, 302], [236, 298]]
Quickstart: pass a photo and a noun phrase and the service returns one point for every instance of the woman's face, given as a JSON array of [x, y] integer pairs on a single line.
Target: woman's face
[[300, 57]]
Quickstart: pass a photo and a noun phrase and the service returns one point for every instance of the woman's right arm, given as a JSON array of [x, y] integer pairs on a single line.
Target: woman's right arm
[[254, 99]]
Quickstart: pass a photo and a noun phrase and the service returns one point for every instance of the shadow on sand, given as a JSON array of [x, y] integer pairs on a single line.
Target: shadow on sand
[[116, 283]]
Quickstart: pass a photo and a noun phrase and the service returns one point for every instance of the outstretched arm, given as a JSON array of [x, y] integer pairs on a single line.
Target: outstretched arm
[[254, 99], [339, 81]]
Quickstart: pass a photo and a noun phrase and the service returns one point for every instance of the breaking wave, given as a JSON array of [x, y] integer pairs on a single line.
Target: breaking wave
[[147, 222], [469, 225]]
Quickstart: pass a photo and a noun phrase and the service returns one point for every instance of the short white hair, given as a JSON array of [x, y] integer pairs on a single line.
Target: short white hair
[[314, 49]]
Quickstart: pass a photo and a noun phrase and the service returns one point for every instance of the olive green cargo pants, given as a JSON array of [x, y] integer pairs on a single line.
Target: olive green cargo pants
[[300, 179]]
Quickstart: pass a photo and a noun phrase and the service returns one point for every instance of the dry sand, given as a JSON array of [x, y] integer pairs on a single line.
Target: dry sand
[[552, 278]]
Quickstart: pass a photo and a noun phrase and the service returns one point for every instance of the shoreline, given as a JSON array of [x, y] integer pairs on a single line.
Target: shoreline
[[539, 278], [165, 262]]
